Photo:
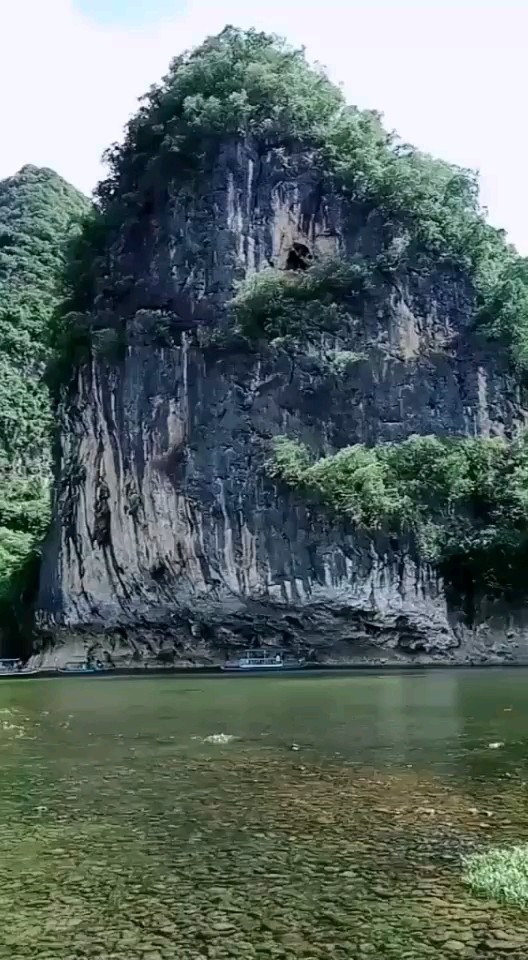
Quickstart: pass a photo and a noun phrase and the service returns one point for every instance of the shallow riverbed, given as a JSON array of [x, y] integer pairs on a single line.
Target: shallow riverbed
[[331, 826]]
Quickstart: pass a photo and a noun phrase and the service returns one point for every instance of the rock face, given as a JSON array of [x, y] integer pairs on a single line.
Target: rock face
[[168, 536]]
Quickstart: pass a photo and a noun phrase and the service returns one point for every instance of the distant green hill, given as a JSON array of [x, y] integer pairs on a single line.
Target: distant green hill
[[37, 212]]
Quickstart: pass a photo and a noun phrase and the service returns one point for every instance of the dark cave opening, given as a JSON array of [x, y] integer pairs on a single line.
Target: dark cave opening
[[299, 257]]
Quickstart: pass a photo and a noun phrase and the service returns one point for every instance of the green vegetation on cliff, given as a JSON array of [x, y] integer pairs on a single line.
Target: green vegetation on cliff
[[278, 303], [465, 501], [238, 84], [249, 85], [37, 209]]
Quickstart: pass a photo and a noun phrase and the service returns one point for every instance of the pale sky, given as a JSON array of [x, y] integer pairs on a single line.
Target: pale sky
[[451, 76]]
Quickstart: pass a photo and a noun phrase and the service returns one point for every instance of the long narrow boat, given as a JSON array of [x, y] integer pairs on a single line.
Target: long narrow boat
[[81, 668], [261, 661], [12, 669]]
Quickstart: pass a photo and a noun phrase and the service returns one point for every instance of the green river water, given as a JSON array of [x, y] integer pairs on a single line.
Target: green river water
[[331, 826]]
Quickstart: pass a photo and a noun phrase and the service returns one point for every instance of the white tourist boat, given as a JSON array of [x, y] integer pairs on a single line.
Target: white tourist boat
[[261, 660]]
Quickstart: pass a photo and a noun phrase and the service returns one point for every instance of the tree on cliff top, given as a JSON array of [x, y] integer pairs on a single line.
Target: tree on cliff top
[[236, 84], [37, 209], [246, 84]]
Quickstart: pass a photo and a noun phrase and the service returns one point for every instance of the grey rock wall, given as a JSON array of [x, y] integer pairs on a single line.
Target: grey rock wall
[[168, 538]]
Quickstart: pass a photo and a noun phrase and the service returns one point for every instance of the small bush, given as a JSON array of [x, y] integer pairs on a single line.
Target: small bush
[[277, 303], [110, 343], [501, 874], [341, 361]]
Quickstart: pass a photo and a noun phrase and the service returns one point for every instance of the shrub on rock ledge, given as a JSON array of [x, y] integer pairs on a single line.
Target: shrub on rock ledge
[[463, 500]]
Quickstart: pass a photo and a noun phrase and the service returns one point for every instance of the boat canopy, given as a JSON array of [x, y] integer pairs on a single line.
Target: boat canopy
[[261, 656]]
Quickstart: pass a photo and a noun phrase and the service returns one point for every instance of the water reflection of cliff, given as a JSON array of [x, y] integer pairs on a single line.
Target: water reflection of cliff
[[416, 717], [388, 720]]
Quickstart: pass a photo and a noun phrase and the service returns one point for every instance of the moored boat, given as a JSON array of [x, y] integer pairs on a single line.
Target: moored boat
[[13, 667], [261, 660], [82, 667]]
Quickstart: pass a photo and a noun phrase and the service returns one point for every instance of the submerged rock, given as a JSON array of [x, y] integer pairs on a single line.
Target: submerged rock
[[219, 738]]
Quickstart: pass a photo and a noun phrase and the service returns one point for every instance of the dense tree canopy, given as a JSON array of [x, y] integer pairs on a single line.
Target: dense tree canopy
[[237, 84], [465, 501], [37, 210]]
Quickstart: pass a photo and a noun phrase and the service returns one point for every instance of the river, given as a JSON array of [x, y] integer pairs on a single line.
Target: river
[[332, 825]]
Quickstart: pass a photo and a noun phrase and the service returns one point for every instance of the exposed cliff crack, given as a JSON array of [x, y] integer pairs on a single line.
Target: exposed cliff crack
[[73, 481], [102, 532], [257, 177]]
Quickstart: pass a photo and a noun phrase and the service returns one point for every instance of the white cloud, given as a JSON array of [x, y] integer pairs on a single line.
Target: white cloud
[[449, 75]]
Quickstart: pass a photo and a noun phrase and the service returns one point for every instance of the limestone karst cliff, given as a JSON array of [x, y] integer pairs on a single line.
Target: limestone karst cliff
[[169, 535]]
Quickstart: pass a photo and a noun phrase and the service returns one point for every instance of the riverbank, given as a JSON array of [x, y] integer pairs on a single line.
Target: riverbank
[[215, 672]]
